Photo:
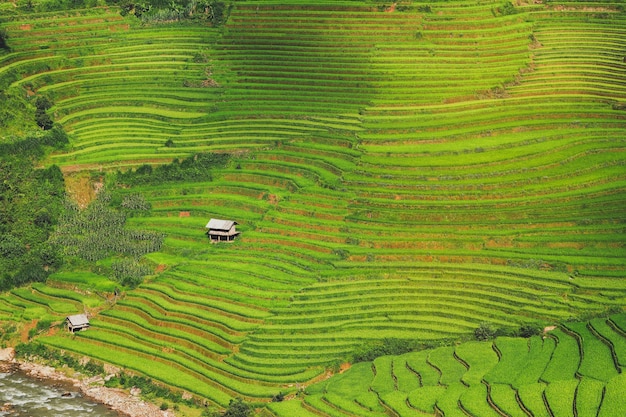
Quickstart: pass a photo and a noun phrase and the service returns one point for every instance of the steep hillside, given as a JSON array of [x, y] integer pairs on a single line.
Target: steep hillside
[[404, 171], [575, 369]]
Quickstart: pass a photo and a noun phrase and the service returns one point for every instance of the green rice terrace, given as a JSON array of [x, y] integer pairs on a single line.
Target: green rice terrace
[[443, 177]]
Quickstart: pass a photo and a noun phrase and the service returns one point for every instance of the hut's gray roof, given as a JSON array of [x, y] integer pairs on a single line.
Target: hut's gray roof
[[78, 320], [217, 224]]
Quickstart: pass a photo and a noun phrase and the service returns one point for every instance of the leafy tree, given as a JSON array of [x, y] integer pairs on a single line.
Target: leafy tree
[[528, 330], [278, 397], [30, 203], [43, 103], [238, 408], [507, 9], [3, 39], [387, 346], [43, 119], [197, 167], [484, 332]]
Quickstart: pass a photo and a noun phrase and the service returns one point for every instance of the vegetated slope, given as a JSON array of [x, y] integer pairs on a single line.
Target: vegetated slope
[[397, 173], [539, 376]]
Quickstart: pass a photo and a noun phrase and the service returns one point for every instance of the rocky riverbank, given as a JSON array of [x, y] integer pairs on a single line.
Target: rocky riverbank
[[125, 403]]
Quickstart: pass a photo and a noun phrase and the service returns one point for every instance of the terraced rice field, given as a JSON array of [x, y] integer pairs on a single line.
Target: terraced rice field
[[395, 174], [480, 379]]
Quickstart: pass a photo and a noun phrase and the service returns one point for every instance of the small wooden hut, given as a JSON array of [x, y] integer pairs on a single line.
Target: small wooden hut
[[77, 322], [221, 230]]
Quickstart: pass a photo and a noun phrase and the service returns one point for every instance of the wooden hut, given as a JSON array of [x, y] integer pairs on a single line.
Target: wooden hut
[[77, 323], [221, 230]]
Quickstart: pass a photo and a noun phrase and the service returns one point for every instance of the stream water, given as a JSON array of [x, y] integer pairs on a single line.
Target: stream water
[[23, 396]]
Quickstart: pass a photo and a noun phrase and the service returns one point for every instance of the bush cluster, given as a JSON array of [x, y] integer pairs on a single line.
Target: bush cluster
[[236, 408], [147, 386], [57, 358], [194, 168], [43, 119], [387, 346], [486, 331], [214, 12], [32, 200], [4, 36]]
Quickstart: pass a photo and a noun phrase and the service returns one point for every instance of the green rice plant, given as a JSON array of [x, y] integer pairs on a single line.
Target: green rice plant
[[317, 403], [290, 408], [354, 381], [222, 379], [539, 356], [418, 363], [183, 298], [120, 319], [480, 357], [138, 363], [560, 396], [426, 397], [597, 360], [406, 379], [532, 397], [451, 369], [504, 397], [397, 401], [589, 394], [513, 354], [224, 325], [617, 339], [369, 400], [348, 405], [383, 375], [87, 300], [52, 307], [448, 402], [474, 401], [613, 402], [565, 358], [618, 321]]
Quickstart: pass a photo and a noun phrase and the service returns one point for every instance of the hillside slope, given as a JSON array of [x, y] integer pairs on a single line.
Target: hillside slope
[[397, 172]]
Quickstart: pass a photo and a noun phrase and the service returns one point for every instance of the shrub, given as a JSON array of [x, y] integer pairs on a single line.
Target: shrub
[[55, 137], [4, 36], [278, 397], [387, 346], [194, 168], [57, 358], [238, 408], [528, 330], [507, 9], [484, 332], [43, 120]]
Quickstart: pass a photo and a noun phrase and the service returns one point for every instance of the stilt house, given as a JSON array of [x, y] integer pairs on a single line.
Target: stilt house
[[77, 323], [221, 230]]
